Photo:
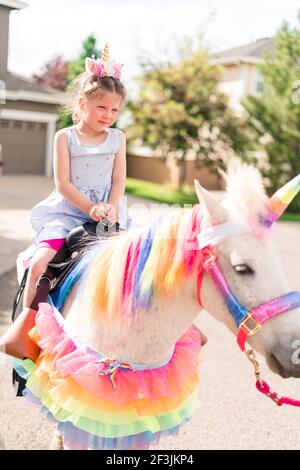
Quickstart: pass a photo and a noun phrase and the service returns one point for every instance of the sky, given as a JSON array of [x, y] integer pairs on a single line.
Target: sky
[[47, 28]]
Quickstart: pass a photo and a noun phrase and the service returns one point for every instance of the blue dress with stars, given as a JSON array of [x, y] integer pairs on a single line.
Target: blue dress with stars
[[91, 169]]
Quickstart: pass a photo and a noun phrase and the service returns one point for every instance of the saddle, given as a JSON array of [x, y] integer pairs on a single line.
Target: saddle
[[59, 268]]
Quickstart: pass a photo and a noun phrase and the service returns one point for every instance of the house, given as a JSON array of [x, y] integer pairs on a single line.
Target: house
[[28, 113], [241, 76]]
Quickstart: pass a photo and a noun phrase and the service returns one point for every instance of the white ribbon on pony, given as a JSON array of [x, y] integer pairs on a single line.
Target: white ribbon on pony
[[213, 235]]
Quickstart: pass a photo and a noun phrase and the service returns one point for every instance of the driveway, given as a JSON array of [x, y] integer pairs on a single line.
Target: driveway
[[232, 415]]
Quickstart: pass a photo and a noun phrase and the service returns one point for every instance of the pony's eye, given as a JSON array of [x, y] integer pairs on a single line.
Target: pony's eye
[[243, 269]]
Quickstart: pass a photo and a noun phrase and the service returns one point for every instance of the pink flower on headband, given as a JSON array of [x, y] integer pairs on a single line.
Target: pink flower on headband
[[98, 68], [118, 70]]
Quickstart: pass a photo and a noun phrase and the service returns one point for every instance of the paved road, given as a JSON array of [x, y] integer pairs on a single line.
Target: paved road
[[232, 415]]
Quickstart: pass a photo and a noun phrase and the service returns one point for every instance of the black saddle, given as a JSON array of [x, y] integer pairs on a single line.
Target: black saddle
[[76, 242], [58, 269]]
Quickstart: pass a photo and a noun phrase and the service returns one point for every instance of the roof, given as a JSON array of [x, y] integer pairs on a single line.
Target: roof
[[17, 87], [252, 52], [13, 4]]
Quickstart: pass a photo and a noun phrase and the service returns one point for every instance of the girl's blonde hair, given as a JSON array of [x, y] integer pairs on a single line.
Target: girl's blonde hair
[[88, 86]]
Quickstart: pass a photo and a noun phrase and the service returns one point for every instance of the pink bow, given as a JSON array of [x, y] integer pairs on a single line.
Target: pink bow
[[110, 368]]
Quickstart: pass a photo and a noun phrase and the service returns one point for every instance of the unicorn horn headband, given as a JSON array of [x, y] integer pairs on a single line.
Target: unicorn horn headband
[[280, 200], [104, 67], [105, 53]]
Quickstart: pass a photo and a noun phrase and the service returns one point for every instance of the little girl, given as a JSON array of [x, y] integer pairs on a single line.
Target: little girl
[[89, 166]]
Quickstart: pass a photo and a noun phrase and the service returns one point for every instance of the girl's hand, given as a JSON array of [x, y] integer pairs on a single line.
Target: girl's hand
[[112, 214], [98, 211]]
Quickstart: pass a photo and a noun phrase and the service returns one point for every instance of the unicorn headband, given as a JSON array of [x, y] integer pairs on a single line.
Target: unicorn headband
[[275, 207], [104, 67]]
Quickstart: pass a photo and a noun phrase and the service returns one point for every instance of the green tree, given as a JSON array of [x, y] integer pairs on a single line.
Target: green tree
[[89, 49], [180, 109], [76, 67], [275, 116]]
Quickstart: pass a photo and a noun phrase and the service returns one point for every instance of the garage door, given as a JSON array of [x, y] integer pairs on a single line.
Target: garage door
[[23, 147]]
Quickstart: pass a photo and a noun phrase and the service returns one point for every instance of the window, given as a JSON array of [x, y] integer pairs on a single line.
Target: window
[[30, 126], [18, 124], [259, 87], [4, 123]]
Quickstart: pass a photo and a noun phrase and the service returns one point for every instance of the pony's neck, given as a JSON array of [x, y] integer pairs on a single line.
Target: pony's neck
[[149, 338]]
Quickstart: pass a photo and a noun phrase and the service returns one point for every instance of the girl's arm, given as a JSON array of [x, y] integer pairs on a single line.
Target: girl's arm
[[119, 175], [62, 174]]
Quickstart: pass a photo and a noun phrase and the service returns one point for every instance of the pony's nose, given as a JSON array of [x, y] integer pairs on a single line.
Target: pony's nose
[[285, 361]]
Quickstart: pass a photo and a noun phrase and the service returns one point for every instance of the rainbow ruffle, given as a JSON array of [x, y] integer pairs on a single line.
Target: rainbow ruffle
[[143, 405]]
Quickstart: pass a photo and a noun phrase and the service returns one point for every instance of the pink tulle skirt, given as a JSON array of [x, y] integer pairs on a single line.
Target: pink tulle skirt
[[105, 404]]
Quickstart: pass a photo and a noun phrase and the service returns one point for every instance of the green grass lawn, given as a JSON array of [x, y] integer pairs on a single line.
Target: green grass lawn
[[160, 193], [169, 195], [290, 217]]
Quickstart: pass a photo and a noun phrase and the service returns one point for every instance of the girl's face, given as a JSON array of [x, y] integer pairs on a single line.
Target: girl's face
[[101, 110]]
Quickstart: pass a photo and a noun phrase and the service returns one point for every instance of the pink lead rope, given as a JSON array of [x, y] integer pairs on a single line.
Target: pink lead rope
[[264, 388]]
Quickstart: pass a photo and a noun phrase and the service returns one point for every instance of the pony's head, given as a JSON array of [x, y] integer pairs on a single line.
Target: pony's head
[[239, 231]]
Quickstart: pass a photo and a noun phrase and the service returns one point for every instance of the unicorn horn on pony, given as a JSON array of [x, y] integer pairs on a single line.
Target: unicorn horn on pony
[[279, 202]]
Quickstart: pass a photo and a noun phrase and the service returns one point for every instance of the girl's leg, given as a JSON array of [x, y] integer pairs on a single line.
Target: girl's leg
[[38, 266]]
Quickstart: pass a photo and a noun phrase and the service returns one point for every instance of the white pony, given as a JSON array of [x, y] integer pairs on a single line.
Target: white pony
[[122, 368]]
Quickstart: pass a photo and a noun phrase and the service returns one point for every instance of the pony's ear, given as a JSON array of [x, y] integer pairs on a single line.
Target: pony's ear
[[214, 212]]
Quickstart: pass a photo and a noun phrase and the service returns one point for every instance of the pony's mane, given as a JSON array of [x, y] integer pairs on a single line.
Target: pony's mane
[[245, 193], [124, 273]]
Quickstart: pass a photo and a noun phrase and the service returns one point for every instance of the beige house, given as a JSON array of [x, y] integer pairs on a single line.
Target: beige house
[[241, 76], [28, 113]]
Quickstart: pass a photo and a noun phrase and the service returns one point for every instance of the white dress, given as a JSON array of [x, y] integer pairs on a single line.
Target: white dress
[[91, 172]]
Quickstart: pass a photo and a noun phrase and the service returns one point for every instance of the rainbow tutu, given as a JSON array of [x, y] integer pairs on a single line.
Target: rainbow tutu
[[100, 403]]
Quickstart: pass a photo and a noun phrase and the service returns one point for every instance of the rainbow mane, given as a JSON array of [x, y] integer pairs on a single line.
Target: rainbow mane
[[118, 277], [123, 277]]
